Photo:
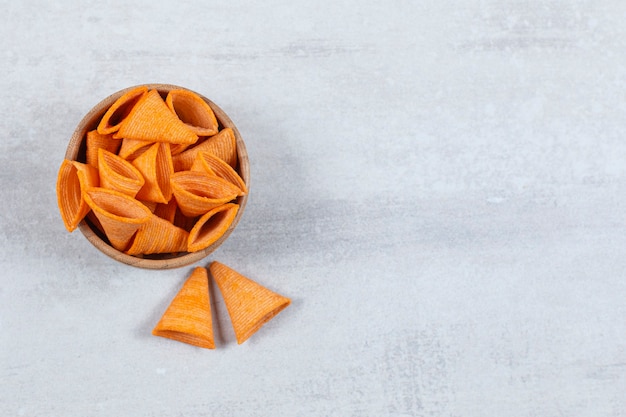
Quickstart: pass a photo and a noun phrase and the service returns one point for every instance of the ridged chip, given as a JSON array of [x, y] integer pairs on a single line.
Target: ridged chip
[[223, 145], [72, 180], [118, 174], [211, 226], [119, 214], [192, 110], [151, 120], [158, 235], [155, 165], [211, 164], [188, 317], [249, 304], [118, 111], [95, 141], [197, 192]]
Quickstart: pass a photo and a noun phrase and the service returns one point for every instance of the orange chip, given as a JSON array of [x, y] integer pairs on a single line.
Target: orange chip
[[118, 174], [158, 236], [151, 120], [119, 214], [118, 111], [182, 221], [211, 226], [198, 192], [73, 178], [166, 211], [211, 164], [155, 165], [193, 111], [188, 317], [96, 141], [223, 145], [177, 148], [131, 148], [249, 304], [200, 166], [150, 204]]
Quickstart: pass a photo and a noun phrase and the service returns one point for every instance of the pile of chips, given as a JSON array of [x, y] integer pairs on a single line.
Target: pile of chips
[[159, 177]]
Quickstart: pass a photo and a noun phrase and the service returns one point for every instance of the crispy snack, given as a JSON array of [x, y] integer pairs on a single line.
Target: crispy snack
[[188, 317], [95, 141], [182, 221], [155, 165], [223, 145], [150, 204], [249, 304], [73, 178], [166, 211], [118, 174], [158, 235], [211, 164], [197, 192], [151, 120], [193, 111], [211, 226], [132, 148], [132, 151], [176, 148], [118, 111], [119, 214]]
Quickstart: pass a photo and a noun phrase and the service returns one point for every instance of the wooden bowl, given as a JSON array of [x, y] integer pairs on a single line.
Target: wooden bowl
[[76, 150]]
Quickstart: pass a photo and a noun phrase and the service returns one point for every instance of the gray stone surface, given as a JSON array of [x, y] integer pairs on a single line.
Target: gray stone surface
[[440, 187]]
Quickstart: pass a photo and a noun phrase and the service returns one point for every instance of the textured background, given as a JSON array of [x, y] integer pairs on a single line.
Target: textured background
[[439, 186]]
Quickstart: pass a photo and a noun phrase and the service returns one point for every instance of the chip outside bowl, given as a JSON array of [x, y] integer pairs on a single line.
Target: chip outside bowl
[[76, 150]]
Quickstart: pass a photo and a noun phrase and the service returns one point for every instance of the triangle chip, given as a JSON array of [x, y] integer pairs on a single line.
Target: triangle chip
[[249, 304], [188, 317], [152, 121]]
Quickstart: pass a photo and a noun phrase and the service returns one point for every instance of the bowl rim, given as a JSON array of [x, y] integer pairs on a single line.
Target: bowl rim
[[90, 121]]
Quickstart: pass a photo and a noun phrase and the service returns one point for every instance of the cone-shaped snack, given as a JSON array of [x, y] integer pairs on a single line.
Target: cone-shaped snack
[[155, 165], [176, 148], [166, 211], [151, 120], [73, 178], [200, 166], [188, 317], [182, 221], [132, 148], [209, 163], [249, 304], [158, 236], [193, 111], [118, 174], [119, 214], [223, 145], [150, 204], [95, 141], [113, 117], [198, 192], [211, 226]]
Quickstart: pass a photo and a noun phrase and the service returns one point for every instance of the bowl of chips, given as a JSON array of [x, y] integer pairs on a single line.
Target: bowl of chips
[[155, 176]]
